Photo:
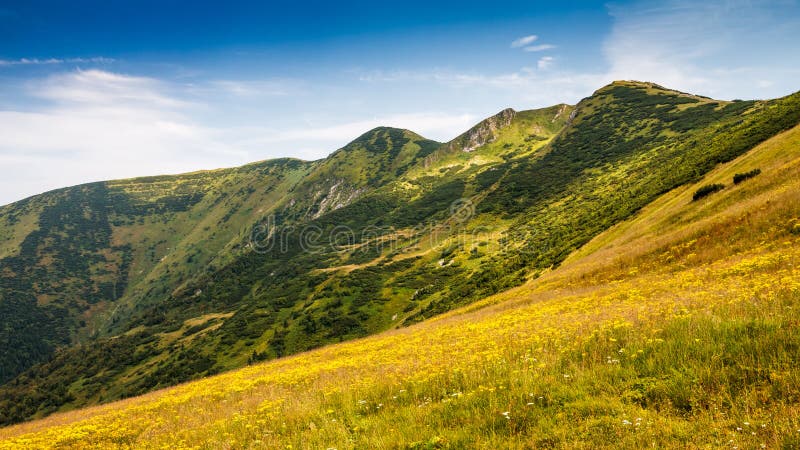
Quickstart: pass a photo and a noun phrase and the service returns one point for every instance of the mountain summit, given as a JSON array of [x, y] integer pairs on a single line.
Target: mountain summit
[[484, 132]]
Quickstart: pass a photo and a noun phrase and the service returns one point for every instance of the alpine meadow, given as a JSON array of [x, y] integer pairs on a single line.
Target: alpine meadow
[[619, 270]]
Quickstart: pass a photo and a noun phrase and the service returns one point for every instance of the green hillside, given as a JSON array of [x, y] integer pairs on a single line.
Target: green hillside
[[113, 289]]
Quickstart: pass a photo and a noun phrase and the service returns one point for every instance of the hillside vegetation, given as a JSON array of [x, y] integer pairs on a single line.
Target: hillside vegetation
[[675, 328], [115, 289]]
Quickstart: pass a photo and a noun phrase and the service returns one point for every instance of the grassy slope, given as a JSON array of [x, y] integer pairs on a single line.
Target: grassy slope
[[677, 328], [169, 250]]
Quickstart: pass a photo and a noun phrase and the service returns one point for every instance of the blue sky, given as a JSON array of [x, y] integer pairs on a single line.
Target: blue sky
[[110, 89]]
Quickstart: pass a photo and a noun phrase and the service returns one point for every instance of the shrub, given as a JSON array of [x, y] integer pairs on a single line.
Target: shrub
[[707, 190], [739, 177], [794, 226]]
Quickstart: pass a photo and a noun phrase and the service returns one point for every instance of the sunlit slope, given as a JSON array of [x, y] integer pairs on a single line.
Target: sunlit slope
[[677, 328], [674, 226]]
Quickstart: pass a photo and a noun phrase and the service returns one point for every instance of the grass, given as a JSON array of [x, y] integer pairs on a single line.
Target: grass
[[567, 368], [676, 329]]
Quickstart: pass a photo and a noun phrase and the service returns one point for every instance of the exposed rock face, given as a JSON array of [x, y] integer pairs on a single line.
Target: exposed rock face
[[483, 132], [559, 113], [337, 196], [572, 116]]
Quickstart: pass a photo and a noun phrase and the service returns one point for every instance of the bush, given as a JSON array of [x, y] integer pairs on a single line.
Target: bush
[[794, 226], [707, 190], [739, 177]]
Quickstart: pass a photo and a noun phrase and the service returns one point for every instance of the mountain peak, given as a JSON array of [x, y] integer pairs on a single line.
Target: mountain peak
[[631, 84], [375, 157], [483, 132], [387, 131], [648, 86]]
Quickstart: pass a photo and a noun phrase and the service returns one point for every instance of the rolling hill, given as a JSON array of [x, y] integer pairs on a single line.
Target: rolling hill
[[524, 271]]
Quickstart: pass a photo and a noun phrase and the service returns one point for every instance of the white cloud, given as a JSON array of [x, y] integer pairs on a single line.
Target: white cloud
[[523, 41], [539, 48], [544, 62], [99, 125], [97, 87], [51, 61], [26, 61]]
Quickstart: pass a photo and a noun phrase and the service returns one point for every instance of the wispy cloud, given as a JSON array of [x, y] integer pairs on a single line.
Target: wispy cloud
[[97, 125], [545, 62], [53, 61], [539, 48], [523, 41], [96, 88]]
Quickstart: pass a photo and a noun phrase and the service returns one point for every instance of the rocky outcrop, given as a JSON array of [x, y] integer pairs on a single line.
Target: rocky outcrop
[[483, 132], [559, 113], [336, 196], [572, 116]]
